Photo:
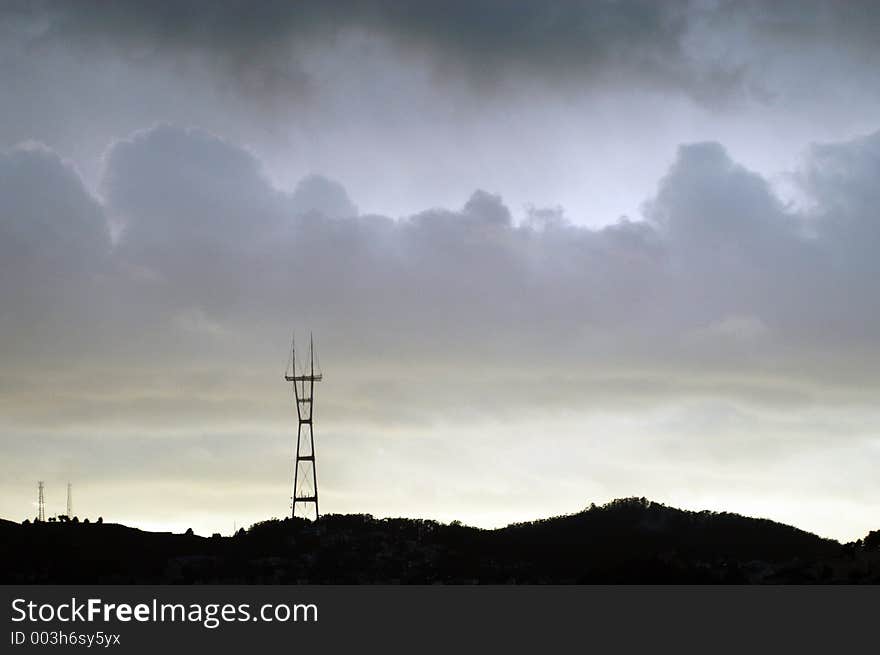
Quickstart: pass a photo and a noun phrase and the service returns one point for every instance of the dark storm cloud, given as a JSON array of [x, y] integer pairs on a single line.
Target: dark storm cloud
[[850, 24], [257, 47], [678, 45]]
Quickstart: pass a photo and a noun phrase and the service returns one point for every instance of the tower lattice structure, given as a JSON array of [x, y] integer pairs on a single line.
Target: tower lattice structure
[[41, 502], [305, 480]]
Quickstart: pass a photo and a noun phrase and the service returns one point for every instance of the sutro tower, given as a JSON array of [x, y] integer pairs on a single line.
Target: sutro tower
[[69, 500], [305, 480]]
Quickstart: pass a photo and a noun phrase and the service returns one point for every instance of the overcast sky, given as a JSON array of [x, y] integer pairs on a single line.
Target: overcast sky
[[553, 253]]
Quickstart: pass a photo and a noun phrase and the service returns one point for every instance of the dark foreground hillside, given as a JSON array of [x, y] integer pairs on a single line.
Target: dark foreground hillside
[[626, 541]]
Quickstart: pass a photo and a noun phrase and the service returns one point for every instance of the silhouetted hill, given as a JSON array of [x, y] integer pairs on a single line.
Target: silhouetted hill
[[626, 541]]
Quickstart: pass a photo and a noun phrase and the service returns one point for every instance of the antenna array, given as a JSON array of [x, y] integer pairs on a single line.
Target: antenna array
[[305, 479]]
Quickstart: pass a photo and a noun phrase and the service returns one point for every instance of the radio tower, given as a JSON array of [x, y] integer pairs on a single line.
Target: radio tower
[[305, 479], [41, 503], [69, 500]]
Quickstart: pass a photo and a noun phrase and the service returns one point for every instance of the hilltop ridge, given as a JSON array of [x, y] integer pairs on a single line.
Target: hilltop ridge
[[631, 540]]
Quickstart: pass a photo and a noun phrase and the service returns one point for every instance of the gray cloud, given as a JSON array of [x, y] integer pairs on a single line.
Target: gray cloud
[[55, 253], [51, 224], [528, 99], [208, 245], [259, 49], [259, 43], [327, 197]]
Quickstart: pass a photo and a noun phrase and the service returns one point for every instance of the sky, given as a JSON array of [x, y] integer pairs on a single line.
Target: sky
[[552, 254]]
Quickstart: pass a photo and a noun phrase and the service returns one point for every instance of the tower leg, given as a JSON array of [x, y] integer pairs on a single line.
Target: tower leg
[[305, 482], [295, 472]]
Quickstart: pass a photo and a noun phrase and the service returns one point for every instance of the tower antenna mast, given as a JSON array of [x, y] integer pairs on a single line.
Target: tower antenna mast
[[305, 479]]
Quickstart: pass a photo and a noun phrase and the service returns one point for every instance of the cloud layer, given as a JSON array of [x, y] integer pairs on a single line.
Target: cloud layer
[[695, 47], [718, 267]]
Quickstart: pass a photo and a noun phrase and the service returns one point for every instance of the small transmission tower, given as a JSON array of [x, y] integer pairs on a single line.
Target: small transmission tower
[[305, 479], [69, 500], [41, 503]]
